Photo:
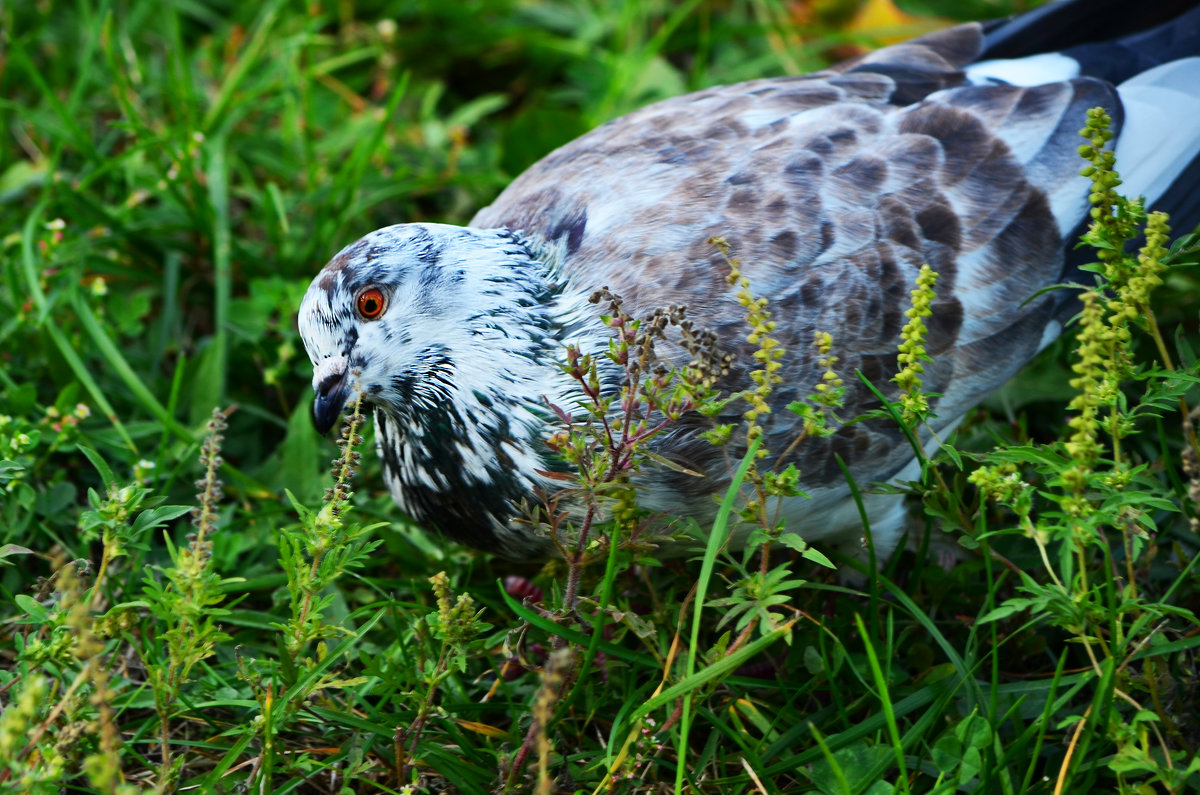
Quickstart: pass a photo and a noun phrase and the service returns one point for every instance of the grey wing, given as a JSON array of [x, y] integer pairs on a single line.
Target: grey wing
[[832, 189]]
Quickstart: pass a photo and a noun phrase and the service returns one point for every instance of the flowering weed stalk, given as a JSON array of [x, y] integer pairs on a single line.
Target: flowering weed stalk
[[186, 599], [607, 442], [913, 401], [758, 594], [1094, 487], [456, 623], [324, 547]]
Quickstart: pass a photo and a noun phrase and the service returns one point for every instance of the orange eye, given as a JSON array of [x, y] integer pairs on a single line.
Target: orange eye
[[371, 303]]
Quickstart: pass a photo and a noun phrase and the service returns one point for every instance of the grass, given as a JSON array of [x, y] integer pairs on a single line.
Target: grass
[[172, 174]]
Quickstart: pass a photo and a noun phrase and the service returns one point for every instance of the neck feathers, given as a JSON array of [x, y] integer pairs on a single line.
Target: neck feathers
[[462, 445]]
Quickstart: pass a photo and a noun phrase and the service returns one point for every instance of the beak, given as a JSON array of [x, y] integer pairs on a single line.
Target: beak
[[330, 383]]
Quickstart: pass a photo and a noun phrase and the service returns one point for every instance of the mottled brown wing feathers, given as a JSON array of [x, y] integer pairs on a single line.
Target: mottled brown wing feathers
[[941, 52], [832, 195]]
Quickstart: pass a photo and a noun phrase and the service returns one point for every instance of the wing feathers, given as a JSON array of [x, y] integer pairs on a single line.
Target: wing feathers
[[1162, 119], [833, 189]]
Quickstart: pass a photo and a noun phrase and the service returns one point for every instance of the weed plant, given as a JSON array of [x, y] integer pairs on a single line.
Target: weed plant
[[170, 178]]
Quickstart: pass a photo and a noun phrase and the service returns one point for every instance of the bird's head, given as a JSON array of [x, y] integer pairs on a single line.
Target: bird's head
[[454, 335], [415, 315]]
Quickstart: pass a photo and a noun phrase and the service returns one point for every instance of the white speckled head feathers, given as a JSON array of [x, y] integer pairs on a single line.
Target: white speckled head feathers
[[458, 365]]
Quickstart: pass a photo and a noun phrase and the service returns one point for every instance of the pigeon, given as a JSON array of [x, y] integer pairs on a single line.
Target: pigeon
[[957, 149]]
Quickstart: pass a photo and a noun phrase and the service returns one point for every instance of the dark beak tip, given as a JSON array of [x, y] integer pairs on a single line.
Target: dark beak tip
[[328, 403], [322, 419]]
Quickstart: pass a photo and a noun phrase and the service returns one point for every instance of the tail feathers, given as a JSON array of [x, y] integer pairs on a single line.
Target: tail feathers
[[1182, 200], [1158, 155], [1121, 59], [1160, 140], [1059, 25], [1157, 73], [1116, 61]]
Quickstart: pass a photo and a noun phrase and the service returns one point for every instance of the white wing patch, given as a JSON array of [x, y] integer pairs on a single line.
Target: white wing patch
[[1035, 70], [1162, 117]]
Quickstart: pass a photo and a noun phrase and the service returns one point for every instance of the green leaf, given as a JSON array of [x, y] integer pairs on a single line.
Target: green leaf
[[31, 607], [156, 517], [974, 731], [1005, 610], [947, 753], [9, 550], [853, 763]]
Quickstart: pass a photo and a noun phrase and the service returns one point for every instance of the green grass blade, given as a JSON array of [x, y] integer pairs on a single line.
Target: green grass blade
[[120, 366], [716, 540], [885, 700], [247, 61], [714, 672]]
